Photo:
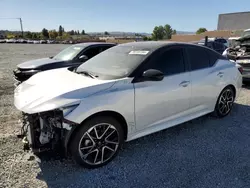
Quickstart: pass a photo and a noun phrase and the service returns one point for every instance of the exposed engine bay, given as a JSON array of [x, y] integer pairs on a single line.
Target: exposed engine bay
[[240, 50], [44, 131]]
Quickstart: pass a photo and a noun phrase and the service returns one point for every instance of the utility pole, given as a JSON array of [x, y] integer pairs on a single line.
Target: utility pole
[[21, 24]]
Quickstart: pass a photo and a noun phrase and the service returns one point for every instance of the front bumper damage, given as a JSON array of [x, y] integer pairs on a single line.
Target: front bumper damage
[[241, 55], [21, 75], [46, 131]]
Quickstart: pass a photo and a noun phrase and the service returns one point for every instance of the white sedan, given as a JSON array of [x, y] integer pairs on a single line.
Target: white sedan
[[125, 92]]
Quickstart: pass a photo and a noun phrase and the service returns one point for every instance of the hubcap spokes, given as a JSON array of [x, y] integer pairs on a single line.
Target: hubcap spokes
[[226, 101], [99, 143]]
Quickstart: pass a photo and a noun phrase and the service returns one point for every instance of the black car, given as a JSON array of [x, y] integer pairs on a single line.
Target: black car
[[72, 56], [217, 46]]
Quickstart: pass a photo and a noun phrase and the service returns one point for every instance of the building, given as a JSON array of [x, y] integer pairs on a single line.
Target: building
[[234, 21]]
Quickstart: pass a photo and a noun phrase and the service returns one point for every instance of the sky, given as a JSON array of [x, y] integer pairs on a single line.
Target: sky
[[116, 15]]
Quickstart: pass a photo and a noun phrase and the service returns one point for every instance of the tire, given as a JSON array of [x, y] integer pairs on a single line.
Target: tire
[[224, 102], [97, 142]]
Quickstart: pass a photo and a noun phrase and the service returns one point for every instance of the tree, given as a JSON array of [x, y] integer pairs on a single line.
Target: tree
[[28, 35], [168, 31], [83, 32], [65, 36], [78, 33], [45, 33], [72, 32], [53, 34], [174, 32], [158, 33], [60, 31], [201, 30], [34, 36], [106, 33]]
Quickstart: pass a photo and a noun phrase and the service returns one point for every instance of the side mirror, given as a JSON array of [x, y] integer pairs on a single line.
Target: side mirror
[[153, 75], [83, 58], [150, 75]]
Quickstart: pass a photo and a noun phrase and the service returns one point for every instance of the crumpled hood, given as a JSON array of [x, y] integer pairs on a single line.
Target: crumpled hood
[[32, 64], [53, 89]]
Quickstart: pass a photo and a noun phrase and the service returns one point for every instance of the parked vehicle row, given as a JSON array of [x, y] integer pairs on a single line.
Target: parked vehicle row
[[37, 41], [123, 93]]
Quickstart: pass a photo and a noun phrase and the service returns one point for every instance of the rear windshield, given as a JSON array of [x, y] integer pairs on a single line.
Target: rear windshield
[[116, 62]]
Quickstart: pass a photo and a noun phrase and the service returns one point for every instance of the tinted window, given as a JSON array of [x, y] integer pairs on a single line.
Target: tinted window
[[218, 46], [198, 58], [221, 40], [170, 62], [91, 52], [213, 57], [106, 47]]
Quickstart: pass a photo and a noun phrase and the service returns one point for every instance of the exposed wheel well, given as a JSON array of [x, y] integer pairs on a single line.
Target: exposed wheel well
[[234, 89], [113, 114]]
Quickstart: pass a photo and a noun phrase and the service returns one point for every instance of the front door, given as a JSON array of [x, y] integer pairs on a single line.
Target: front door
[[157, 102]]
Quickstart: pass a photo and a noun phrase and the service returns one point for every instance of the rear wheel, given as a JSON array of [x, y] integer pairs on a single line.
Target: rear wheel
[[97, 142], [225, 102]]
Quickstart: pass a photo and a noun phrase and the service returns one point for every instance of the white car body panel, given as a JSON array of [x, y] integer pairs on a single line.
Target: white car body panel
[[155, 102], [147, 106], [51, 89]]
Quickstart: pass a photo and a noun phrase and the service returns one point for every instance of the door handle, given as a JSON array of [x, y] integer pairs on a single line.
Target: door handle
[[220, 74], [184, 83]]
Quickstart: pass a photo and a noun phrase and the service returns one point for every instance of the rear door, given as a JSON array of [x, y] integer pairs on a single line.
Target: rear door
[[205, 78], [157, 102]]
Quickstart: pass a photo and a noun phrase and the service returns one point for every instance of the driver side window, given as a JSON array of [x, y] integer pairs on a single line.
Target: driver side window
[[91, 52], [170, 62]]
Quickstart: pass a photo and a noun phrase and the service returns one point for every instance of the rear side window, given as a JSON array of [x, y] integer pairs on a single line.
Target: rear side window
[[170, 62], [198, 58], [213, 57]]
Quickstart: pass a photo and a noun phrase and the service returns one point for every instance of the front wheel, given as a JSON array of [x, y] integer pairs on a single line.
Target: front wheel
[[97, 142], [225, 102]]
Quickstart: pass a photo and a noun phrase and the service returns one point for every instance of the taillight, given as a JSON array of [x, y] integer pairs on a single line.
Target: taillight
[[240, 69]]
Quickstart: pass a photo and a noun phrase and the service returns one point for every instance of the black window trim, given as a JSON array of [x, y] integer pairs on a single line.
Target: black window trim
[[92, 46], [141, 68], [165, 49], [207, 51]]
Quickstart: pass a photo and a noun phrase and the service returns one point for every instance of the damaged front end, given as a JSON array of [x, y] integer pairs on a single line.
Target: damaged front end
[[240, 54], [45, 131]]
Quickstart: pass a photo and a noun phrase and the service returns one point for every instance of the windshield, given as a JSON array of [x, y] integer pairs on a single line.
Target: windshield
[[116, 62], [69, 53]]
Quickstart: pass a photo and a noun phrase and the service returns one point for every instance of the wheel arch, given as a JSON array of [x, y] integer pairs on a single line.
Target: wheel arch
[[116, 115], [233, 87]]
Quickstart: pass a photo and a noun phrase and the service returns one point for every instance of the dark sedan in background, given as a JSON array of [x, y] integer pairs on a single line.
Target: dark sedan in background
[[216, 46], [72, 56]]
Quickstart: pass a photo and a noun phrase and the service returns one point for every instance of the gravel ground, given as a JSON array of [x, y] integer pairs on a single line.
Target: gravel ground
[[206, 152]]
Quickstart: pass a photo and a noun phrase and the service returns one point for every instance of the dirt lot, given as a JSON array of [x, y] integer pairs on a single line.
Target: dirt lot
[[205, 152]]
